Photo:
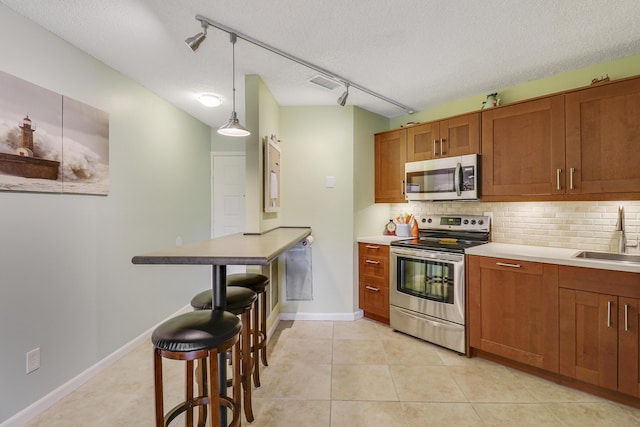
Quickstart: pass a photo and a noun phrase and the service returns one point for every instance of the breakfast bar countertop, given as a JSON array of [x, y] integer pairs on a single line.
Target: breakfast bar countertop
[[234, 249], [548, 255]]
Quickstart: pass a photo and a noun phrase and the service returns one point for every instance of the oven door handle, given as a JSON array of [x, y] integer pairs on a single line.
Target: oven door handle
[[458, 179], [424, 319]]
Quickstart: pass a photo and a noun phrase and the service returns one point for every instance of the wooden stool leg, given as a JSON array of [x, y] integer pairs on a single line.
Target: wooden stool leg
[[247, 366], [263, 328], [159, 394], [214, 400], [188, 395], [255, 345], [202, 391]]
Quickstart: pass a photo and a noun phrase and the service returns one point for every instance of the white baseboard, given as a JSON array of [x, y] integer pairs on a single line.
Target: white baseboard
[[322, 316], [38, 407]]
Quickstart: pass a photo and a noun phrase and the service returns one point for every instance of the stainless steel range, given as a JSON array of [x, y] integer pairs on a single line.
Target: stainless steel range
[[427, 278]]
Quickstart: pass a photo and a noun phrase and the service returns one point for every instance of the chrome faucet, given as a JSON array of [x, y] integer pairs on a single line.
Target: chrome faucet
[[622, 243]]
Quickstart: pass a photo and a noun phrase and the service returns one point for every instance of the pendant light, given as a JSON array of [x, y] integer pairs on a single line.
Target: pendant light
[[233, 126]]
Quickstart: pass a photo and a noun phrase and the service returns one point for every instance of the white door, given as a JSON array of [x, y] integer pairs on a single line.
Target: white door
[[228, 186], [228, 198]]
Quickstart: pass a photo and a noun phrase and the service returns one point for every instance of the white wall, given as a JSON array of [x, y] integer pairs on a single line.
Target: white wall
[[67, 284]]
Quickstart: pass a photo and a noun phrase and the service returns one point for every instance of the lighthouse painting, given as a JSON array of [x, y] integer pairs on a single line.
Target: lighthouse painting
[[49, 142]]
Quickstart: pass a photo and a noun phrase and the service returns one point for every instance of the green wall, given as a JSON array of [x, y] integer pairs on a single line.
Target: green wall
[[620, 68]]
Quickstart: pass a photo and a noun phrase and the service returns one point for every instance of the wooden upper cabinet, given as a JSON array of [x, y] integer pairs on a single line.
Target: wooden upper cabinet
[[445, 138], [390, 157], [603, 138], [523, 148]]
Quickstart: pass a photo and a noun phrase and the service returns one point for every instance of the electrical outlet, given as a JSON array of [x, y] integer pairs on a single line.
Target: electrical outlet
[[490, 215], [33, 360]]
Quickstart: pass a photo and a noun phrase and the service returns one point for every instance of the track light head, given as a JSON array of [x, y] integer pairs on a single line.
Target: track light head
[[195, 41], [343, 98]]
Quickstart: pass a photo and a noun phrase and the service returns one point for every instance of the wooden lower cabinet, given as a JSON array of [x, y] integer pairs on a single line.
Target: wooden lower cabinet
[[513, 310], [599, 321], [373, 282]]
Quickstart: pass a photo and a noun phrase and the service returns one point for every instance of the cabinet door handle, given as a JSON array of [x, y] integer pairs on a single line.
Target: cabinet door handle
[[442, 146], [368, 261], [435, 150], [626, 317], [558, 172], [608, 314], [402, 189], [371, 288], [372, 247], [571, 172], [504, 264]]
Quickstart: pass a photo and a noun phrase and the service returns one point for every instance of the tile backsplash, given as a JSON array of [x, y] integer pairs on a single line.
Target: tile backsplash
[[575, 225]]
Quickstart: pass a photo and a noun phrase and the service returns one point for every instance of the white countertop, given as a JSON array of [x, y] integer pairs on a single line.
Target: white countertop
[[380, 240], [548, 255]]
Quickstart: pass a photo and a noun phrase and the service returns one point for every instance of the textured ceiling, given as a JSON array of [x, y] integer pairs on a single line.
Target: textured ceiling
[[420, 53]]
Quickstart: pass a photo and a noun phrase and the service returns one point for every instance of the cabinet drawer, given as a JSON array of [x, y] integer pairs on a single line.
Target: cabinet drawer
[[372, 249], [619, 283], [373, 268], [374, 299]]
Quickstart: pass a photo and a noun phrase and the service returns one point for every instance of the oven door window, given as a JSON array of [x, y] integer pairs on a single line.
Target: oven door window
[[427, 279]]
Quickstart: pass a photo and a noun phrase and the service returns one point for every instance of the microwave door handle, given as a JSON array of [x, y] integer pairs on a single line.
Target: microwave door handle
[[457, 180]]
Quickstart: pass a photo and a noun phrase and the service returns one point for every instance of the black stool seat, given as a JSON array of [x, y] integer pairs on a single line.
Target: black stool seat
[[238, 299], [255, 282], [197, 330]]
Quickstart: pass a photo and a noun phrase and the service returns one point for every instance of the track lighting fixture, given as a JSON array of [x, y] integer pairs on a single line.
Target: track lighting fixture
[[343, 98], [206, 22], [195, 41], [233, 126]]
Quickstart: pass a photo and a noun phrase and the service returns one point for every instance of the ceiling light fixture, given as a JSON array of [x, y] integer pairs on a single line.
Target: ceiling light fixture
[[343, 98], [195, 41], [233, 126], [209, 99], [206, 22]]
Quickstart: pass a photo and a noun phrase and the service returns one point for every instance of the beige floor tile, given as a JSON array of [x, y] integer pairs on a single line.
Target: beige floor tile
[[295, 381], [440, 414], [349, 374], [425, 384], [516, 414], [366, 414], [490, 383], [358, 352], [302, 350], [362, 382], [601, 414], [547, 391], [361, 329], [307, 329], [410, 352], [292, 413]]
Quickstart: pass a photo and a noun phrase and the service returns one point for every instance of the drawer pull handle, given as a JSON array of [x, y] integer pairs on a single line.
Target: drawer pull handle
[[608, 314], [368, 261], [371, 288], [626, 317], [558, 172], [372, 247], [504, 264]]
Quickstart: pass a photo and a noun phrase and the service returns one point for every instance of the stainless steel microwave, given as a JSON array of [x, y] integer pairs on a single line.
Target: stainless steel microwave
[[449, 178]]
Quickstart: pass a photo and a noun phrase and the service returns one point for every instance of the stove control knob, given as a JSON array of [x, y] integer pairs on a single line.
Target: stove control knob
[[480, 222], [473, 222], [430, 220], [424, 220], [466, 221]]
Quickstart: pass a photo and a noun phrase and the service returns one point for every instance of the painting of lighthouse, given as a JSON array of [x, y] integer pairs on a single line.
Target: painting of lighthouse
[[49, 142]]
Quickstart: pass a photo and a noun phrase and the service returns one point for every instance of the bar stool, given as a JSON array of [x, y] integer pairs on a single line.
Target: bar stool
[[239, 302], [257, 283], [197, 336]]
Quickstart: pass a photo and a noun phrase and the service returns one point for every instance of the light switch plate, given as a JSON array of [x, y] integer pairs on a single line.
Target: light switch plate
[[330, 182]]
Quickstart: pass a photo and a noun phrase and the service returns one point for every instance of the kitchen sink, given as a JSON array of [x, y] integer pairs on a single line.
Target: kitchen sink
[[606, 256]]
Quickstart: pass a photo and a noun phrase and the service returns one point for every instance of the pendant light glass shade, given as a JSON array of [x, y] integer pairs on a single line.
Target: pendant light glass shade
[[233, 126]]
